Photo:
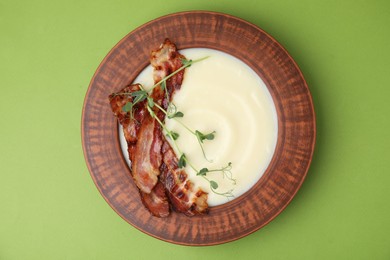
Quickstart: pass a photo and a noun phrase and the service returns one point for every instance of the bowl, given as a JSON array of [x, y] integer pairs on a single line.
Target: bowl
[[296, 127]]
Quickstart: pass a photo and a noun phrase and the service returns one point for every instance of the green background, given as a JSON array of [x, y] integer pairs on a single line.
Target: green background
[[49, 205]]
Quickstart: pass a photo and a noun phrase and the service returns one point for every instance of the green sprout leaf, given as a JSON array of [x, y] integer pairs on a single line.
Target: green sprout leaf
[[151, 112], [182, 161], [177, 114], [128, 107], [174, 135], [139, 93], [139, 96], [163, 85], [150, 102], [214, 185], [203, 172], [186, 63], [201, 136]]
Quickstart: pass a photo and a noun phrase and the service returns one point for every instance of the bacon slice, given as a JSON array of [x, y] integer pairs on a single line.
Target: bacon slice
[[180, 189], [156, 200], [147, 155], [148, 158], [165, 61], [130, 125]]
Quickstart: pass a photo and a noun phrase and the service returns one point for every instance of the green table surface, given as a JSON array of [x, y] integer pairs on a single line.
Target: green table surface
[[49, 205]]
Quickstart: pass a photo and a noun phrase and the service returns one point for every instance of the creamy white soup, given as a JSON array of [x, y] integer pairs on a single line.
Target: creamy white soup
[[222, 94]]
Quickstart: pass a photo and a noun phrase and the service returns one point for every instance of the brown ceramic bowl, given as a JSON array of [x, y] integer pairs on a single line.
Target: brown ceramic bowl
[[296, 127]]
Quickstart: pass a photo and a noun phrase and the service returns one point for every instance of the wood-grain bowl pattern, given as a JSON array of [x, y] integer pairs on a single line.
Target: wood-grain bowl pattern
[[296, 126]]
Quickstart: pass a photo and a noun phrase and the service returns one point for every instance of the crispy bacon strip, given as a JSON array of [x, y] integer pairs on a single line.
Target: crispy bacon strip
[[148, 158], [147, 155], [165, 61], [180, 189], [156, 200]]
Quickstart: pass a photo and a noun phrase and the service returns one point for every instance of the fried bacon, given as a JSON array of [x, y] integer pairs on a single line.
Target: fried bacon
[[180, 189], [182, 195], [165, 61], [130, 125], [154, 165], [147, 155], [156, 200], [148, 158]]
